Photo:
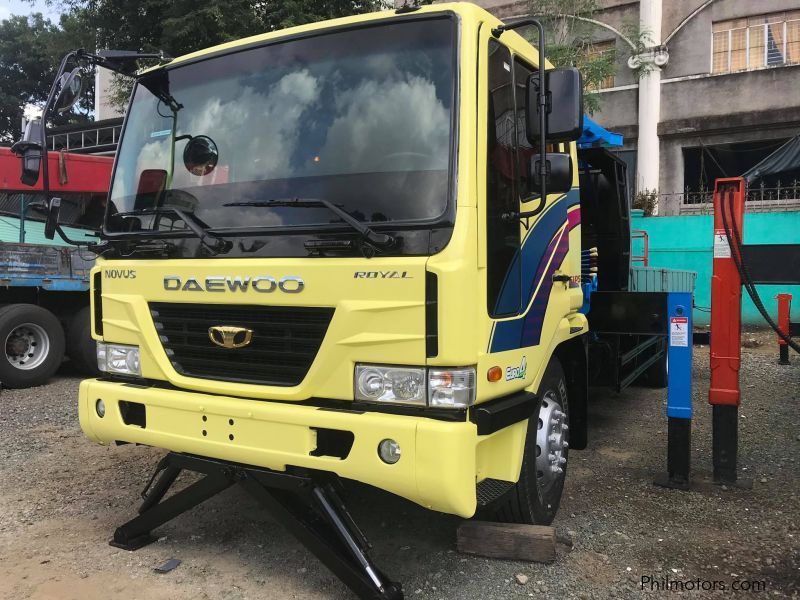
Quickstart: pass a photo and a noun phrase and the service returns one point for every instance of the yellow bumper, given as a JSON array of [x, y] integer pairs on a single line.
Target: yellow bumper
[[437, 468]]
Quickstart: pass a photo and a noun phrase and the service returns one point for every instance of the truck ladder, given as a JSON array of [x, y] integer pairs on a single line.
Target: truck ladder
[[306, 504]]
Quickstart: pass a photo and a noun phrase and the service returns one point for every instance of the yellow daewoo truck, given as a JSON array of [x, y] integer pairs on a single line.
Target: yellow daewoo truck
[[351, 249]]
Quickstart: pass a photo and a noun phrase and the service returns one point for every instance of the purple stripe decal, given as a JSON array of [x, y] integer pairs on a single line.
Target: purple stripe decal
[[551, 248], [532, 326]]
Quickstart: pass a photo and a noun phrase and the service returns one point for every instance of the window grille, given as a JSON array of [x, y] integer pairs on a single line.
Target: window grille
[[755, 42]]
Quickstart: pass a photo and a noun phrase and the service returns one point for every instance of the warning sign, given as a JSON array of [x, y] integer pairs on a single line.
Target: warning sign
[[679, 331], [722, 248]]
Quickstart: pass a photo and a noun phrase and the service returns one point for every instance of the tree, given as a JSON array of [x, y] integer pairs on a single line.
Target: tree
[[30, 50], [282, 14], [569, 34]]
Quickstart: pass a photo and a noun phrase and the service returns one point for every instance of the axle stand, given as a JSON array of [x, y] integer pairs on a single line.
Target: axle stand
[[307, 505]]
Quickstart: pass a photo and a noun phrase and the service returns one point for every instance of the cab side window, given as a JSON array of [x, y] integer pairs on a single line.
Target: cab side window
[[526, 189], [502, 234]]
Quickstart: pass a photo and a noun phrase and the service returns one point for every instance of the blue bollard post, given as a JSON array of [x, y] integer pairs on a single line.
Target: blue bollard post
[[679, 391]]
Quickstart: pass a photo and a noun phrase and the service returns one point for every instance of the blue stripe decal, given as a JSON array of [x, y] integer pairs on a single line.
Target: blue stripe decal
[[537, 248]]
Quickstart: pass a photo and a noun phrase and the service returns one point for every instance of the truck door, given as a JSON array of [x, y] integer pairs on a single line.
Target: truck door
[[502, 234], [522, 258]]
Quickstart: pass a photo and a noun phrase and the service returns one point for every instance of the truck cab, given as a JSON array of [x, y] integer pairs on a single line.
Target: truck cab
[[326, 249]]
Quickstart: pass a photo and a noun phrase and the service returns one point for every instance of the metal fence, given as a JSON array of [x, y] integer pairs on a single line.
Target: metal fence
[[95, 139], [759, 198]]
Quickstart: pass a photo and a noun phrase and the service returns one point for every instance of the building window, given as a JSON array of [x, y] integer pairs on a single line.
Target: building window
[[756, 42], [605, 49]]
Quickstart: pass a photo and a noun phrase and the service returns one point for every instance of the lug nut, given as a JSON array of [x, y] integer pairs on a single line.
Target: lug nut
[[562, 460], [565, 445]]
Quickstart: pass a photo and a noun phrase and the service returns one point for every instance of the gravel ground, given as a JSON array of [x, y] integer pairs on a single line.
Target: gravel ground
[[61, 496]]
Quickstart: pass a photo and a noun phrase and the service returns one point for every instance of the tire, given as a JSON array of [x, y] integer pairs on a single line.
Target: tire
[[81, 348], [32, 343], [535, 498]]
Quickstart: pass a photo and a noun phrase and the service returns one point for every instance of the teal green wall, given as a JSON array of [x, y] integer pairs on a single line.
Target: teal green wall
[[685, 242], [34, 233]]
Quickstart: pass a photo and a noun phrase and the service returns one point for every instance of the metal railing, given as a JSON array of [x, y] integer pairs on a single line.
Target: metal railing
[[87, 140], [758, 197], [644, 258]]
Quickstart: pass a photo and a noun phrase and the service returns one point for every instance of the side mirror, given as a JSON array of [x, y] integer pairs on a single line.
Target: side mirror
[[200, 156], [558, 166], [29, 149], [69, 92], [564, 117], [53, 211]]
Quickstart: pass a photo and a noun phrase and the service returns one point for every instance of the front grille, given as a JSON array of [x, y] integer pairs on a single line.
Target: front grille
[[284, 343]]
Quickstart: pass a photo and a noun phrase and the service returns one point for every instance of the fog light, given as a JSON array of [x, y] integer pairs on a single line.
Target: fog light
[[389, 451], [100, 407]]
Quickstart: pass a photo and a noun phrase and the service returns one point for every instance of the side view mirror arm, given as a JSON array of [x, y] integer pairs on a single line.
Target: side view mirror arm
[[121, 62], [525, 215]]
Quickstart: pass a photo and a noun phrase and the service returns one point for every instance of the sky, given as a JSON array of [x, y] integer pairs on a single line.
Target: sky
[[20, 7]]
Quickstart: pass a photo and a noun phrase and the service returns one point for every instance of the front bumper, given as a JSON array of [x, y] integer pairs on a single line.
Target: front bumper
[[437, 468]]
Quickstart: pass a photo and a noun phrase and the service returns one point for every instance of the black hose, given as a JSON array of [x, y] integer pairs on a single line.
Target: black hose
[[735, 243]]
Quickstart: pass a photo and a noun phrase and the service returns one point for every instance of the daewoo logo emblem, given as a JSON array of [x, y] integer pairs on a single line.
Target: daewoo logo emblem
[[226, 336]]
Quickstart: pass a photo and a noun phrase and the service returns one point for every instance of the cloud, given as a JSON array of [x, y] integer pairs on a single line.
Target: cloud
[[388, 126]]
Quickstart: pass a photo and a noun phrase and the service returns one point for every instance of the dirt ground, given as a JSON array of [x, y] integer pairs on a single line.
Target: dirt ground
[[61, 497]]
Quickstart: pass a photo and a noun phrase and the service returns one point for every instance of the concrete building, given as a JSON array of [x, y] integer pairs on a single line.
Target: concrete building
[[720, 93]]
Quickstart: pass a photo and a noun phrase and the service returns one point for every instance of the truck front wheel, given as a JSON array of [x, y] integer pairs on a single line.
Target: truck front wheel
[[534, 499], [33, 343]]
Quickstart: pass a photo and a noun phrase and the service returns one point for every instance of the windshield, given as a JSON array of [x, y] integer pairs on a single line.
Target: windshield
[[360, 118]]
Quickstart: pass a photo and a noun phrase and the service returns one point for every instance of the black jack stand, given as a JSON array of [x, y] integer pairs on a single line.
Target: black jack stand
[[679, 448], [725, 446], [307, 505]]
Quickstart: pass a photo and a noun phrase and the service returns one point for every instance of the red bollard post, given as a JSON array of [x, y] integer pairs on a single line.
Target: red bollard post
[[784, 311], [726, 325]]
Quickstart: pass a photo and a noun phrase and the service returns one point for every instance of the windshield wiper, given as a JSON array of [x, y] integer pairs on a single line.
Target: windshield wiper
[[373, 237], [211, 241]]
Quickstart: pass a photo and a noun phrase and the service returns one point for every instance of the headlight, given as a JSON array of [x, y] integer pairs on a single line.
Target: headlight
[[440, 388], [451, 388], [397, 385], [116, 358]]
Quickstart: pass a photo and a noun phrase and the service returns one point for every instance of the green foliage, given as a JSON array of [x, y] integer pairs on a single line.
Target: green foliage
[[30, 51], [571, 42], [646, 200], [642, 40], [279, 15]]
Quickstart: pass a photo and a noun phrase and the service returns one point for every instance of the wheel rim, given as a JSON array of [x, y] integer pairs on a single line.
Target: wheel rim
[[27, 346], [551, 443]]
